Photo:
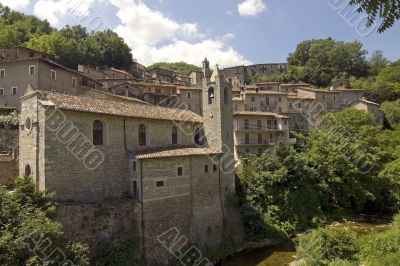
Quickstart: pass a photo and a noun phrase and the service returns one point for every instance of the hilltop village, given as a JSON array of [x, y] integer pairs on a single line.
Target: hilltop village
[[153, 149]]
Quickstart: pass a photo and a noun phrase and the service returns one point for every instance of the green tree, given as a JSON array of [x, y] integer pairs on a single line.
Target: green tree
[[387, 11], [25, 219], [180, 67], [321, 61], [392, 113], [378, 62]]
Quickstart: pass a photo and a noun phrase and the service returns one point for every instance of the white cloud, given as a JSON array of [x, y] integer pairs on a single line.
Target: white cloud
[[154, 37], [55, 11], [251, 7], [15, 4]]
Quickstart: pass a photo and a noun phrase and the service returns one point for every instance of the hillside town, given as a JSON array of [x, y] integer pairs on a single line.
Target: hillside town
[[170, 143]]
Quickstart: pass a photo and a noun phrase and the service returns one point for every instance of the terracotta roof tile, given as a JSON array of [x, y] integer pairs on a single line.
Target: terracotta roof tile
[[177, 152], [249, 113], [119, 108]]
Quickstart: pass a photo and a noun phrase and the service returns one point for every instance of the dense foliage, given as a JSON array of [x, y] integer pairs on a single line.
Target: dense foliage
[[331, 246], [326, 246], [69, 46], [9, 121], [28, 235], [387, 11], [119, 252], [180, 67], [321, 61], [385, 86], [349, 165]]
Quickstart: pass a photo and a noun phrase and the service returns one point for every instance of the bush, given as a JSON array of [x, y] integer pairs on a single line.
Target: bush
[[119, 252], [328, 246], [9, 121], [381, 248], [28, 235]]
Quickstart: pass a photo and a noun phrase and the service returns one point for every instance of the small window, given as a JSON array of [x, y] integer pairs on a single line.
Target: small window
[[211, 95], [174, 135], [189, 95], [2, 73], [323, 96], [28, 171], [97, 133], [53, 75], [189, 106], [253, 99], [226, 96], [279, 99], [31, 54], [180, 171], [1, 92], [206, 168], [135, 190], [159, 183], [74, 82], [31, 70], [14, 90], [134, 166], [215, 168], [142, 135]]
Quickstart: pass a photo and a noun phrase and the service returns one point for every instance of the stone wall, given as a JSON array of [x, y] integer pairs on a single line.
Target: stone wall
[[100, 222], [8, 156]]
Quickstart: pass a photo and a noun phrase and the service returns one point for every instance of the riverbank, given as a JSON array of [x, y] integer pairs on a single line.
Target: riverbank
[[280, 254]]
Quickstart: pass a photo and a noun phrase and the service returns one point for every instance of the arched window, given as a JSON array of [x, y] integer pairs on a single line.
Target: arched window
[[174, 135], [211, 95], [226, 96], [97, 132], [28, 170], [142, 135]]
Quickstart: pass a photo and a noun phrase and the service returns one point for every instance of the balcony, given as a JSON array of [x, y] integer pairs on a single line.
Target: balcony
[[250, 127], [265, 142]]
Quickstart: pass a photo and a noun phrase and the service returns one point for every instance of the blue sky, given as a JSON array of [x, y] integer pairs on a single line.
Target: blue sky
[[229, 32]]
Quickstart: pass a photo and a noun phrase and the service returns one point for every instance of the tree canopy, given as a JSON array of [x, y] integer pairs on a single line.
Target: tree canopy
[[321, 61], [180, 67], [386, 10], [69, 46]]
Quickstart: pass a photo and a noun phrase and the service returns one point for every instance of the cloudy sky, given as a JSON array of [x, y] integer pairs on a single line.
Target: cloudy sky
[[228, 32]]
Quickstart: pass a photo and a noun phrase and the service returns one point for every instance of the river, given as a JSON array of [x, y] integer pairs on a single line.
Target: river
[[284, 254]]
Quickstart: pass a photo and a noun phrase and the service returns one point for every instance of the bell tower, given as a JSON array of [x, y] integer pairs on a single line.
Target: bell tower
[[218, 123]]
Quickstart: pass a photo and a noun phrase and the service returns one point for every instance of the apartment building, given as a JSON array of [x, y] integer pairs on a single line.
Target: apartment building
[[20, 70], [258, 132]]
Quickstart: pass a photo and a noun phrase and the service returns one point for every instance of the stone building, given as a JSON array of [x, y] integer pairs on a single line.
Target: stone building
[[169, 76], [258, 132], [21, 69], [93, 73], [175, 165], [370, 107], [242, 75]]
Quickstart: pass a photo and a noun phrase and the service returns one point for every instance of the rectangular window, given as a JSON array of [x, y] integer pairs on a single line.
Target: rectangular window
[[279, 99], [135, 190], [31, 70], [180, 171], [246, 139], [253, 99], [134, 166], [2, 73], [53, 75], [260, 138], [259, 124], [206, 168], [160, 183], [14, 91], [215, 168], [74, 82], [1, 92], [189, 95]]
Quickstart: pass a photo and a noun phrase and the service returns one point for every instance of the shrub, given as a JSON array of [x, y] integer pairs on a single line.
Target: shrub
[[328, 246], [381, 248], [9, 121]]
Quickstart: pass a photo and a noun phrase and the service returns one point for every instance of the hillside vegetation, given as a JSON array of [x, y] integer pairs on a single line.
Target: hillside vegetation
[[69, 46], [180, 67]]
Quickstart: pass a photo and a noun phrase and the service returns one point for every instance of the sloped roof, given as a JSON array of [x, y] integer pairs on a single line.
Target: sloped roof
[[119, 108], [249, 113], [364, 101], [177, 152]]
